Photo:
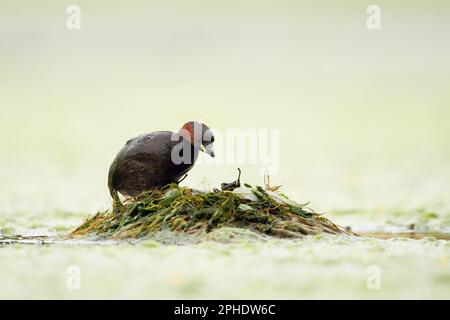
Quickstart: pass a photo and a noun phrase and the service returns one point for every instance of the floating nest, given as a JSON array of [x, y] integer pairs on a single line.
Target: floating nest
[[184, 210]]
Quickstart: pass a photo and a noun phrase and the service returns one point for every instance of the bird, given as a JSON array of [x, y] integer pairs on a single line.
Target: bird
[[156, 159]]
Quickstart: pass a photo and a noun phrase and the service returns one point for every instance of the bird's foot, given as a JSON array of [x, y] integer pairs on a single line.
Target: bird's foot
[[117, 204], [117, 209]]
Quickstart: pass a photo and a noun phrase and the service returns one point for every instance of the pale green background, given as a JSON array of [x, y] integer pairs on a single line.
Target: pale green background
[[363, 115]]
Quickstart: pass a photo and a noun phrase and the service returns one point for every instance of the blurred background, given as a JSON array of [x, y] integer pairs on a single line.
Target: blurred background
[[363, 114], [363, 117]]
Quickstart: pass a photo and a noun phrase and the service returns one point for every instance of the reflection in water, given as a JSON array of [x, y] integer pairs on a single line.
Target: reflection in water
[[47, 240], [408, 235]]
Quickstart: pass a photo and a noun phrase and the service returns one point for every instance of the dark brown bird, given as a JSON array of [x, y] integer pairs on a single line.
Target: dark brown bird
[[156, 159]]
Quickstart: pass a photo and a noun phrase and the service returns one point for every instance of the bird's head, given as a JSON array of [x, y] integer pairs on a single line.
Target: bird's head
[[199, 135]]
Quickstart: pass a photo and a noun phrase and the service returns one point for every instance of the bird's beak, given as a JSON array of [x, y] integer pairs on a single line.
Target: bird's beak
[[209, 150]]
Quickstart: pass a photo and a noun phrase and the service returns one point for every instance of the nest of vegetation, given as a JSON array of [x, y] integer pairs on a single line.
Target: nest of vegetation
[[184, 210]]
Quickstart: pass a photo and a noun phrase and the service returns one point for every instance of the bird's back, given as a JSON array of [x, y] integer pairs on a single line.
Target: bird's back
[[146, 162]]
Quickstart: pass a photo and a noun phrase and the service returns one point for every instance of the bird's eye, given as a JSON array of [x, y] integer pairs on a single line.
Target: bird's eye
[[212, 139]]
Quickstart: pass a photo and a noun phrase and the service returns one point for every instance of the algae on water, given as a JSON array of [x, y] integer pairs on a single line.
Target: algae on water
[[184, 210]]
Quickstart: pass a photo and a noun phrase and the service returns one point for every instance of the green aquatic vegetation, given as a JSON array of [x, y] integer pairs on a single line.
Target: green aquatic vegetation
[[180, 209]]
